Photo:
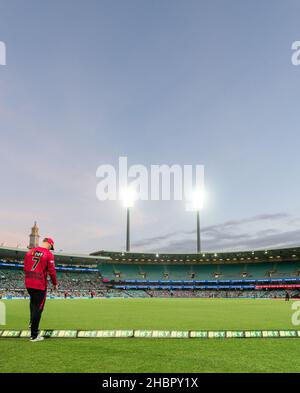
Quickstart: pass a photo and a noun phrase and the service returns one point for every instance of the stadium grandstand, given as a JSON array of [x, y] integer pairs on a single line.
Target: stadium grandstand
[[261, 273], [250, 274]]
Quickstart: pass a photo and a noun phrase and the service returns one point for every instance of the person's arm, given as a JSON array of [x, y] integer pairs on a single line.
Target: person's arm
[[52, 271]]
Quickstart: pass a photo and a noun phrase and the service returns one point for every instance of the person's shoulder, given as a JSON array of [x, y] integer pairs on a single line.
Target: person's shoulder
[[31, 251], [50, 254]]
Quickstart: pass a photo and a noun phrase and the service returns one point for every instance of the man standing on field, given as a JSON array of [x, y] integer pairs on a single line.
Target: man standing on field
[[38, 263]]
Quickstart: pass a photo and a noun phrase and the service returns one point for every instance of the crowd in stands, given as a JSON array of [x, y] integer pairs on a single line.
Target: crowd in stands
[[74, 284], [223, 294], [13, 279], [115, 293]]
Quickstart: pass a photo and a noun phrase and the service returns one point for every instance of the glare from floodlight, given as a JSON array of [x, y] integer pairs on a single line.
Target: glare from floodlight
[[128, 197], [197, 200]]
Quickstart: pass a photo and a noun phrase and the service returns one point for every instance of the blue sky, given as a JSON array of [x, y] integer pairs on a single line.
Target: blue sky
[[161, 82]]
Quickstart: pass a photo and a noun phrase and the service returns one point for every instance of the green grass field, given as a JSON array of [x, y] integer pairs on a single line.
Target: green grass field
[[153, 355]]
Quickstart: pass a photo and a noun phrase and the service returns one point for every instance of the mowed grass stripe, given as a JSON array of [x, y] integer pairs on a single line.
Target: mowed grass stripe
[[155, 314]]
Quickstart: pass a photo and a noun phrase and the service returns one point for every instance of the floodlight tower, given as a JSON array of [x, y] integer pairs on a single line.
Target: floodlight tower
[[128, 197], [197, 205]]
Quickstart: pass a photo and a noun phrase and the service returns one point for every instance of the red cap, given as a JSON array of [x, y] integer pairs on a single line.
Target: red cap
[[50, 241]]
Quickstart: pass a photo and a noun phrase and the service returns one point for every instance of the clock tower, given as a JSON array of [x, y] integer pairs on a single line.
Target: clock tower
[[34, 237]]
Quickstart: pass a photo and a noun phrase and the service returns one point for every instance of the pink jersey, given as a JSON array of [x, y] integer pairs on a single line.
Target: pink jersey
[[38, 263]]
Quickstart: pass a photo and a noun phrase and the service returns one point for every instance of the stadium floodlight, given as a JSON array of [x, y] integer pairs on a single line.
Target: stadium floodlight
[[196, 203], [197, 200], [128, 196]]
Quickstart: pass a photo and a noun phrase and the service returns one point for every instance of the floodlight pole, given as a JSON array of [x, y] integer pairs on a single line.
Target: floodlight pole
[[128, 230], [198, 232]]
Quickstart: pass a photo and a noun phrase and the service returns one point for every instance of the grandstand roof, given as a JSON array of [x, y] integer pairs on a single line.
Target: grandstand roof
[[62, 258], [283, 254]]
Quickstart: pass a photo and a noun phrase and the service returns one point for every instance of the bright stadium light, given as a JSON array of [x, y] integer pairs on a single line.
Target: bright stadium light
[[128, 197], [197, 200]]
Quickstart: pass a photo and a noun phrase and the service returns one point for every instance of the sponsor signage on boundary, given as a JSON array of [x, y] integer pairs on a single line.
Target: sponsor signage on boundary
[[180, 334], [124, 333], [105, 333], [253, 334], [235, 334], [46, 333], [64, 333], [11, 333], [270, 333], [220, 334], [154, 334], [198, 334], [87, 333], [25, 334], [287, 333]]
